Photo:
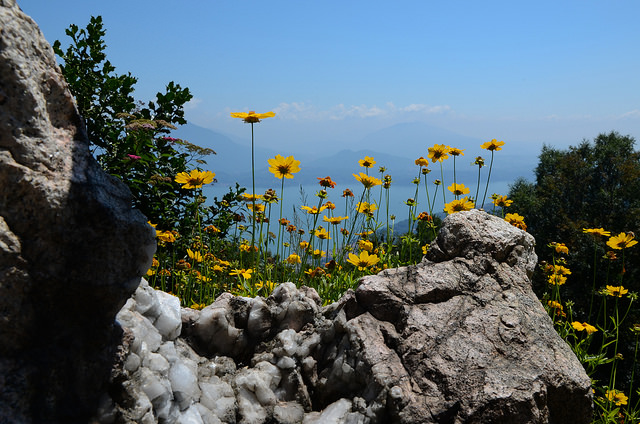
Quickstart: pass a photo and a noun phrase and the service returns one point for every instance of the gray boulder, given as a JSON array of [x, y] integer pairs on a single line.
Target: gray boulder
[[72, 250], [462, 337]]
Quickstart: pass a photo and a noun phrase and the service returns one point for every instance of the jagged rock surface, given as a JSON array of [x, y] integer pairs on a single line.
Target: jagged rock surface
[[71, 248], [459, 338]]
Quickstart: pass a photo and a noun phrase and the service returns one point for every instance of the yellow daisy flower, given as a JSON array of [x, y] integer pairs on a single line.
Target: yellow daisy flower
[[194, 179], [252, 117], [364, 260], [282, 167], [458, 189], [367, 181], [438, 152], [459, 205], [622, 241], [616, 291], [492, 145], [196, 256], [367, 162]]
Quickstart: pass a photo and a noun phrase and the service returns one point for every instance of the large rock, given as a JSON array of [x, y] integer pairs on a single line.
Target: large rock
[[71, 248], [462, 337], [459, 338]]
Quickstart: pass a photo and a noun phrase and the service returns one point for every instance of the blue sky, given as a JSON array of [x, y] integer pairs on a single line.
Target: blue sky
[[524, 72]]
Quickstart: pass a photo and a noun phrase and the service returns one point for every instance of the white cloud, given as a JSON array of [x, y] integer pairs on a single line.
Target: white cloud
[[192, 104], [632, 114], [362, 111], [294, 111], [304, 111]]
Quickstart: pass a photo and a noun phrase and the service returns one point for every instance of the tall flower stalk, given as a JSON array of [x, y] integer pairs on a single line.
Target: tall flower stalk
[[492, 145], [455, 153], [597, 234], [282, 168], [438, 153], [480, 162], [252, 118]]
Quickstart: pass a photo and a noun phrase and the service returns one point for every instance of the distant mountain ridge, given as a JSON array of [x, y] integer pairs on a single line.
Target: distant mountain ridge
[[395, 147], [416, 137]]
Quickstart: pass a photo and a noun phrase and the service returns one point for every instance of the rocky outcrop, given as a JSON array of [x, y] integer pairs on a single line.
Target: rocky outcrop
[[459, 338], [71, 248]]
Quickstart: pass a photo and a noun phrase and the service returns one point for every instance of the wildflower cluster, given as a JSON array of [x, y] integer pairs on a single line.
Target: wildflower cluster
[[321, 245], [595, 338]]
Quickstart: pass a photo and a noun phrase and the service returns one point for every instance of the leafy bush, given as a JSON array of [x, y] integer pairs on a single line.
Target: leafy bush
[[130, 140]]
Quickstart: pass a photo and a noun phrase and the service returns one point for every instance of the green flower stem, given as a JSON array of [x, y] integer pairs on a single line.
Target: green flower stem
[[346, 205], [442, 180], [426, 186], [435, 193], [279, 225], [334, 232], [412, 211], [614, 366], [253, 200], [488, 178], [556, 291], [353, 225], [260, 244], [266, 241], [311, 236], [633, 368], [389, 243], [380, 200], [455, 184], [475, 199], [604, 326], [593, 284]]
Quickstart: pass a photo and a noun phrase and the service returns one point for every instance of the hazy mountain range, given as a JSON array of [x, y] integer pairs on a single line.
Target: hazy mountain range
[[395, 147]]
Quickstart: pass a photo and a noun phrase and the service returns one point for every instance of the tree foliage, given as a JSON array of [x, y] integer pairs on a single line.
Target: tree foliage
[[128, 138], [592, 185]]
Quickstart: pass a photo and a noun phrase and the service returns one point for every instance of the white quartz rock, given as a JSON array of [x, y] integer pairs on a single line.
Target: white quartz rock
[[132, 362], [259, 383], [190, 416], [207, 416], [157, 363], [157, 389], [142, 329], [146, 300], [249, 408], [169, 320], [218, 396], [332, 414], [289, 341], [184, 383], [288, 412]]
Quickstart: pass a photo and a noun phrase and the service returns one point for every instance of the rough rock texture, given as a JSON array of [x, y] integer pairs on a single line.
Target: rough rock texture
[[459, 338], [71, 248]]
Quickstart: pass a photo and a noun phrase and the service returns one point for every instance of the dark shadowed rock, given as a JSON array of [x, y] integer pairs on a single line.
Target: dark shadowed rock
[[71, 248], [459, 338]]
